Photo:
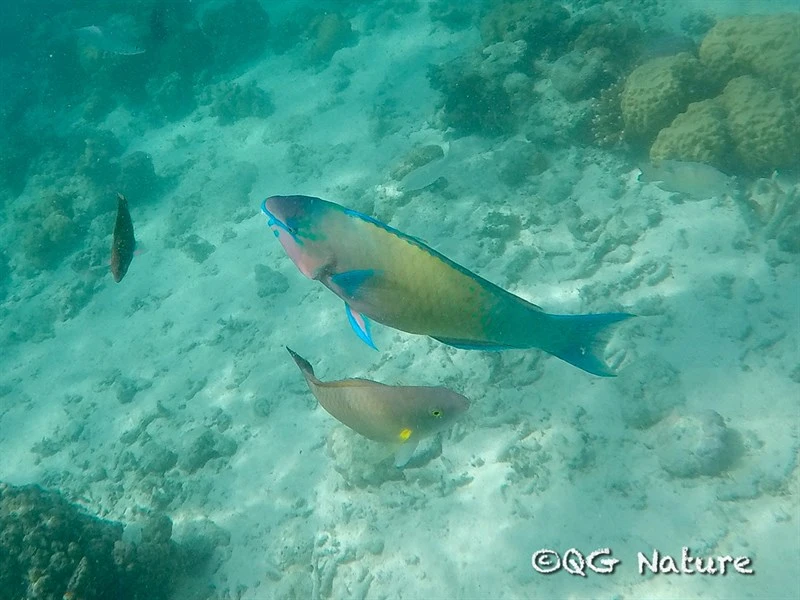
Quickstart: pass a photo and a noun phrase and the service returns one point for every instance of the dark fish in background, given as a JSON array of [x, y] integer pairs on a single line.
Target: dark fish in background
[[695, 179], [124, 243], [105, 39]]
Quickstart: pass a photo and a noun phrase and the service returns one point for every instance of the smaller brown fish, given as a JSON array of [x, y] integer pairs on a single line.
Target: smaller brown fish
[[386, 413], [124, 243]]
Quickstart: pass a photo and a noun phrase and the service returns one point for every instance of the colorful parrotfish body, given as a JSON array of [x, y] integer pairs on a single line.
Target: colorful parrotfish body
[[397, 280]]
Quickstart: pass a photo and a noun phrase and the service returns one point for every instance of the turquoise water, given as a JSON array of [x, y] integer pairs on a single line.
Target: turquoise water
[[587, 157]]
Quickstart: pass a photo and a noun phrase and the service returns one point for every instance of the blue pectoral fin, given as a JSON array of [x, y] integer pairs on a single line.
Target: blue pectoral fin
[[472, 345], [350, 282], [360, 325]]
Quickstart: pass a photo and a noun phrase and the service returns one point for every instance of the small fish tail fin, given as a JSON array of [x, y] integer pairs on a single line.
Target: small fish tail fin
[[302, 363], [582, 339]]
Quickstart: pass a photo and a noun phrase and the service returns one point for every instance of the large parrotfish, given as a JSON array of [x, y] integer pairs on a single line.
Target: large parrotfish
[[394, 414], [395, 279]]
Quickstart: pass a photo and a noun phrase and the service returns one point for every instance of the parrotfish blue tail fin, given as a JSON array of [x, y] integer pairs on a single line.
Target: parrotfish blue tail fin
[[582, 339]]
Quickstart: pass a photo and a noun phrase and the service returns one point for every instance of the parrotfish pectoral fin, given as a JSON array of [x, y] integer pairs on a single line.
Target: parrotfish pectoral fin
[[360, 325], [472, 345], [583, 338], [350, 282], [404, 453]]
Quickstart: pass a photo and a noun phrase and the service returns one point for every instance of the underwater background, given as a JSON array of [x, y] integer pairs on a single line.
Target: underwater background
[[156, 440]]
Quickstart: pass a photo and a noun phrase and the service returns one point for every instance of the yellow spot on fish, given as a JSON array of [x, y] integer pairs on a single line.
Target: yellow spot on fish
[[405, 434]]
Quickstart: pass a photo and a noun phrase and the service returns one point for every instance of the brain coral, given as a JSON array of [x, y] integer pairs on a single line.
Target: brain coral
[[656, 91], [767, 46], [699, 134], [762, 124]]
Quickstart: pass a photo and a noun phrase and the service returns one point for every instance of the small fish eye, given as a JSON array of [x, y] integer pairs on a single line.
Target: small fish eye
[[436, 412]]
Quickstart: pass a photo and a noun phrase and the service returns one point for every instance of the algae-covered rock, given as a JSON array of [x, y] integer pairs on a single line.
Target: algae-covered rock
[[137, 178], [763, 125], [362, 463], [416, 158], [541, 24], [579, 75], [697, 444], [205, 446], [699, 134], [656, 91], [607, 125], [98, 162], [764, 45], [484, 92], [329, 33], [172, 96], [52, 231], [234, 102], [649, 391], [50, 548]]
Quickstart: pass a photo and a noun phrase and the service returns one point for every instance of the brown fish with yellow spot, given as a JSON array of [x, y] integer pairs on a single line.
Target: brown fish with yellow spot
[[386, 413], [124, 243]]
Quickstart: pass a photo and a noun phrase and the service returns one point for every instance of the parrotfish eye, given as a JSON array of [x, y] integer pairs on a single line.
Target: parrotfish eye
[[291, 226], [436, 413]]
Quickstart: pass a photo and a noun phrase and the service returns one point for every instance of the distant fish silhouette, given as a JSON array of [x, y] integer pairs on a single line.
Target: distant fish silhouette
[[694, 179], [124, 243], [107, 40], [454, 153]]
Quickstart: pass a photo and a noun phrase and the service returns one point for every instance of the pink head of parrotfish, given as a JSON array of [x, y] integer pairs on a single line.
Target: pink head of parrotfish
[[293, 221]]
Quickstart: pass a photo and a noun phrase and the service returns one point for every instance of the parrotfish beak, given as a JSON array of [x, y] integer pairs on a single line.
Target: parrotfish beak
[[274, 222], [285, 213]]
